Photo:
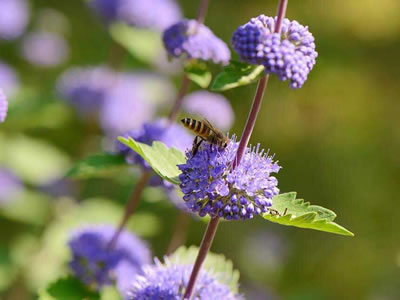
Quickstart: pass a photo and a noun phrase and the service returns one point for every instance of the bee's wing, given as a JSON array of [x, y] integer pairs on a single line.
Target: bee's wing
[[207, 123], [215, 130]]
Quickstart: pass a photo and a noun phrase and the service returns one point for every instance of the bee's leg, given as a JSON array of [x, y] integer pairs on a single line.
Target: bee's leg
[[196, 144]]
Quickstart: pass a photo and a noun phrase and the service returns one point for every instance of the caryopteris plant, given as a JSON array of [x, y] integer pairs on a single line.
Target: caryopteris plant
[[234, 183]]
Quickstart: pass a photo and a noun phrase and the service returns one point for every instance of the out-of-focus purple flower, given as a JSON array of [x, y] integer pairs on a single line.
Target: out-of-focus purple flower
[[210, 186], [152, 14], [3, 106], [215, 107], [172, 135], [14, 16], [9, 81], [96, 265], [44, 49], [134, 100], [10, 186], [106, 9], [85, 88], [195, 40], [290, 55], [168, 281], [59, 187]]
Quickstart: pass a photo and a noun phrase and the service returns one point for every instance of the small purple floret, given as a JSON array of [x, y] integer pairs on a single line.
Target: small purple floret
[[290, 55], [210, 185], [195, 40]]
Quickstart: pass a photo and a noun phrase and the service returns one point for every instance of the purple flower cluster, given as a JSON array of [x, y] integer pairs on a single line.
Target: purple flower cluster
[[215, 107], [96, 265], [44, 49], [152, 14], [290, 55], [195, 40], [10, 186], [168, 281], [14, 16], [85, 88], [3, 106], [210, 186], [172, 135]]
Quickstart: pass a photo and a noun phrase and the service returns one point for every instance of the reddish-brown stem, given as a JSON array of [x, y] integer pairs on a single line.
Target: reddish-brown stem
[[179, 98], [180, 231], [280, 15], [201, 256], [131, 206], [201, 13], [248, 129], [251, 119]]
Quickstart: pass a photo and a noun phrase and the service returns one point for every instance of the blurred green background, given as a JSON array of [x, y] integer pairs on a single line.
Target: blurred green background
[[337, 139]]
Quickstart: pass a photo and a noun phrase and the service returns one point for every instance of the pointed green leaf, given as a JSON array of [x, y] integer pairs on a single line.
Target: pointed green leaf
[[68, 288], [237, 74], [163, 160], [287, 210], [216, 264], [198, 73], [97, 165], [143, 44]]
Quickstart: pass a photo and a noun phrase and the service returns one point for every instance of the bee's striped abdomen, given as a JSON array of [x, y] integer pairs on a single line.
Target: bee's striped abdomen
[[196, 126]]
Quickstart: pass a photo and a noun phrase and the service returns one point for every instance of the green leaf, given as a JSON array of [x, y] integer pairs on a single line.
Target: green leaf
[[143, 44], [164, 161], [216, 264], [236, 74], [34, 160], [30, 207], [198, 73], [68, 288], [287, 210], [110, 293], [97, 165]]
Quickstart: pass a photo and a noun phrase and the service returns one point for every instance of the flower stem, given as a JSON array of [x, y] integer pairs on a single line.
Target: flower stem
[[179, 98], [201, 13], [280, 15], [201, 256], [131, 206], [251, 119], [180, 232], [248, 129]]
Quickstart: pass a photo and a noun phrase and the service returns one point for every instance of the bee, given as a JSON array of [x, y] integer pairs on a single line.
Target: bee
[[205, 132]]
